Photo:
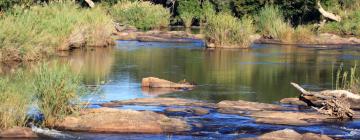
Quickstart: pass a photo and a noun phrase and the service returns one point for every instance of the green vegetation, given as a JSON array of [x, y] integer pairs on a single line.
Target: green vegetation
[[225, 30], [142, 15], [55, 90], [14, 100], [27, 34], [350, 25], [189, 10], [271, 23], [348, 80]]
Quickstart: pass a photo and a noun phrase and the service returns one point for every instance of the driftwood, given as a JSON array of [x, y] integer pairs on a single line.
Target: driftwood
[[335, 103], [90, 3], [328, 14]]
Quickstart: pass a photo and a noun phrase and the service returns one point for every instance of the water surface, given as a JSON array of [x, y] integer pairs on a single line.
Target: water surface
[[261, 74]]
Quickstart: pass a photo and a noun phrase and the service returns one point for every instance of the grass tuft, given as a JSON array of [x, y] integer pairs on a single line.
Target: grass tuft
[[142, 15], [56, 90], [225, 30]]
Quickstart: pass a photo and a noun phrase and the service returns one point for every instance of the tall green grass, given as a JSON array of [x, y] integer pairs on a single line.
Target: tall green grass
[[224, 30], [15, 97], [57, 88], [142, 15], [348, 80], [189, 10], [51, 87], [271, 23], [28, 34]]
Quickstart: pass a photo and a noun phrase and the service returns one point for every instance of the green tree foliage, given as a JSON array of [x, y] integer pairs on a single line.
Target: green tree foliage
[[188, 11]]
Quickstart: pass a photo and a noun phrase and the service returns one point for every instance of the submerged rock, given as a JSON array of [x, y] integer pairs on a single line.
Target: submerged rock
[[154, 82], [293, 101], [18, 132], [190, 110], [289, 134], [159, 102], [122, 121]]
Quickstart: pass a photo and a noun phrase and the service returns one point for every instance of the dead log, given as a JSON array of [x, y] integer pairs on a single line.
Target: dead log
[[90, 3], [337, 103], [328, 14]]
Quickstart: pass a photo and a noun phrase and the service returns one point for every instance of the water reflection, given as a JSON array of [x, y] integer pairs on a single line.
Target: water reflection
[[94, 65], [262, 73]]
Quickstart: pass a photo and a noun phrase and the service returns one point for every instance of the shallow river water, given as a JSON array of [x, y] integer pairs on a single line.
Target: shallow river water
[[260, 74]]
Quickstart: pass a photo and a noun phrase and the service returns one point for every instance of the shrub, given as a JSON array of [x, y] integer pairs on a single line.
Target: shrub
[[188, 11], [27, 34], [226, 30], [15, 98], [304, 34], [142, 15], [208, 10], [271, 23], [56, 89], [350, 25]]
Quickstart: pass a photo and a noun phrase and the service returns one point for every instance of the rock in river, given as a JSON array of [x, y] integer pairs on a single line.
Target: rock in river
[[154, 82], [188, 110], [122, 121], [289, 134], [273, 114], [293, 101], [18, 132]]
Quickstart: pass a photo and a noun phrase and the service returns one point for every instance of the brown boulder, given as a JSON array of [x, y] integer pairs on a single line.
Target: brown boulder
[[288, 118], [289, 134], [122, 121], [154, 82], [274, 114], [293, 101], [18, 132], [286, 134], [247, 106], [159, 102]]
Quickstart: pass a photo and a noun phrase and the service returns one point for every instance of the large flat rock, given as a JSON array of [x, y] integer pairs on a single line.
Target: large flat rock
[[247, 106], [274, 114], [159, 102], [18, 132], [110, 120], [289, 134]]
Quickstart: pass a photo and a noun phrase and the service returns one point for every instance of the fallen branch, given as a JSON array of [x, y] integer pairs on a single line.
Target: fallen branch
[[328, 14], [90, 3], [329, 102]]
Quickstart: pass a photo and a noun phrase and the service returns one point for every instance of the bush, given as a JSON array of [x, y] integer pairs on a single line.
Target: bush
[[15, 95], [142, 15], [304, 34], [226, 30], [271, 23], [350, 25], [27, 34], [56, 89], [188, 11]]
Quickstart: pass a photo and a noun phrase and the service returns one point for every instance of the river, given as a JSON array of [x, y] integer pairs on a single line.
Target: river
[[260, 74]]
